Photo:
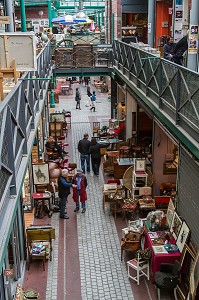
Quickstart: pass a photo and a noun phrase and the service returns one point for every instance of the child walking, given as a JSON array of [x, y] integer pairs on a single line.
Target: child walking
[[93, 99]]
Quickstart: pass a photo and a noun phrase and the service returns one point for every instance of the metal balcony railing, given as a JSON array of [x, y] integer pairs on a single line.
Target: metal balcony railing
[[171, 88], [19, 117]]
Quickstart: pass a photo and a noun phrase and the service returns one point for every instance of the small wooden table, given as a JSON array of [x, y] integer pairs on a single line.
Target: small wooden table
[[37, 197], [107, 190]]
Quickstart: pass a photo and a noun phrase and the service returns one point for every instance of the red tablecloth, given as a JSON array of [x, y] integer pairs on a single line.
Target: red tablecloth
[[157, 259]]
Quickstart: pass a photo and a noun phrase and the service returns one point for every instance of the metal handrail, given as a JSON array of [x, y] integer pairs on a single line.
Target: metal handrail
[[170, 90]]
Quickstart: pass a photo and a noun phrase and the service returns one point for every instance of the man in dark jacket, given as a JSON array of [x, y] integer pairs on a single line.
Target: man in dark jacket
[[94, 150], [83, 148], [64, 190]]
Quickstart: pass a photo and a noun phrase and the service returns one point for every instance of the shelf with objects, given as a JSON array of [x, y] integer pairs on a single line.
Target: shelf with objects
[[139, 176]]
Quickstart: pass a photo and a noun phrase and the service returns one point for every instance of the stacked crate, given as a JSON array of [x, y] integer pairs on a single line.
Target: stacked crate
[[64, 57], [83, 55]]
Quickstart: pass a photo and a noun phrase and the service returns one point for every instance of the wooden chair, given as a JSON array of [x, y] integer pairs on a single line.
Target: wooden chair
[[110, 158], [96, 128], [56, 129], [131, 242], [139, 265], [116, 202]]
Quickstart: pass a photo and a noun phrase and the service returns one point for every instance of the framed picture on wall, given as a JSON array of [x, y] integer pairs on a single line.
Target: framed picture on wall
[[41, 174]]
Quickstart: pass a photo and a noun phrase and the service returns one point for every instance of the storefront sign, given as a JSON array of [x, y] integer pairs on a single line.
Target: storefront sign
[[8, 272], [193, 39], [4, 20]]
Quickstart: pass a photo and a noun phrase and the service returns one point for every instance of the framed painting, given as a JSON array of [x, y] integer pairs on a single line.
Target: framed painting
[[194, 276], [170, 213], [41, 174], [176, 225], [187, 261], [140, 165], [182, 236]]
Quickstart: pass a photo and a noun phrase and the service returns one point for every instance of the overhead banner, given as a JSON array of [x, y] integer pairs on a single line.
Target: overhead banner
[[193, 39]]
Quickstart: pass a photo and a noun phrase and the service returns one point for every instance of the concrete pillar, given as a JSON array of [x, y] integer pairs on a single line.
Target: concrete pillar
[[151, 22], [9, 12], [194, 20]]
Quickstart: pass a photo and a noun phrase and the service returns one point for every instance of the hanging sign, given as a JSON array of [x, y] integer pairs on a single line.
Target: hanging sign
[[193, 39]]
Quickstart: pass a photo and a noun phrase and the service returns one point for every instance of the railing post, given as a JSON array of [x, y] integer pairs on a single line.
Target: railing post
[[52, 99], [178, 98], [147, 76], [11, 158], [160, 83]]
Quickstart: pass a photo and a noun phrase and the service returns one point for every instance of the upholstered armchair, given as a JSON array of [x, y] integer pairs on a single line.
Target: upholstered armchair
[[167, 277]]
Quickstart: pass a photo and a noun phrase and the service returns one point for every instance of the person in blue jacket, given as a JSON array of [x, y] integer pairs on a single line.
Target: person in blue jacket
[[64, 190], [93, 99]]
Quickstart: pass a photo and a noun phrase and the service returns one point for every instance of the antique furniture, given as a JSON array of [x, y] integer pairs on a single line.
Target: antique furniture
[[136, 226], [108, 164], [167, 278], [96, 128], [35, 235], [139, 265], [120, 167], [124, 151], [128, 177], [166, 188], [139, 180], [159, 258], [129, 205], [131, 242], [146, 204], [162, 202], [116, 201], [107, 190], [56, 129], [39, 202]]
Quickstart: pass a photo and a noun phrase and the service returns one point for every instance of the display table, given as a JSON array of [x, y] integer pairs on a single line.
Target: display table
[[39, 202], [157, 259]]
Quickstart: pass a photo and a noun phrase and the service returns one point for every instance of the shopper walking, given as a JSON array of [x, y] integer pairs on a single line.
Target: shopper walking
[[94, 150], [77, 98], [79, 192], [83, 148], [93, 99], [64, 190]]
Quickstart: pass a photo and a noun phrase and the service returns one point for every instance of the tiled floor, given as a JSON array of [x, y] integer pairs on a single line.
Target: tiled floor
[[86, 252]]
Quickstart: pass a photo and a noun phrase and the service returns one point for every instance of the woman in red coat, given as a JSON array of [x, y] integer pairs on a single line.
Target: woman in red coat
[[79, 193]]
